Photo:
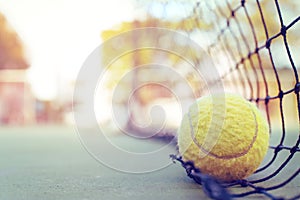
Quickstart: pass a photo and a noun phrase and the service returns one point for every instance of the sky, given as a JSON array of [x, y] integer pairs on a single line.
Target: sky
[[60, 34]]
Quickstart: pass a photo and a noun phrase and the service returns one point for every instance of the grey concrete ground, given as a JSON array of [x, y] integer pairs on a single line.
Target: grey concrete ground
[[50, 163]]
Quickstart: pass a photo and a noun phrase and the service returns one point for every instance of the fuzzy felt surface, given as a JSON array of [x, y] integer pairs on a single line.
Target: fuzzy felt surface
[[225, 136]]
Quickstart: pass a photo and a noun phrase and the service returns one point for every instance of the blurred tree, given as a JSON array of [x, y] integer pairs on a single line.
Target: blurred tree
[[117, 73], [190, 18], [11, 48], [16, 99]]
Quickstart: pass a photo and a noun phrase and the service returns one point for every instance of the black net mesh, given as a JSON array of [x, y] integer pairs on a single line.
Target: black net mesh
[[257, 44], [255, 47]]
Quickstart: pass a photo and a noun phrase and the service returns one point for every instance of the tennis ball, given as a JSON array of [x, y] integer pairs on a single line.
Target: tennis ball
[[224, 136]]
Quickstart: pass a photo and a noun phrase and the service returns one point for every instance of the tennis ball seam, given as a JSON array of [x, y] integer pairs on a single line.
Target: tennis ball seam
[[225, 157]]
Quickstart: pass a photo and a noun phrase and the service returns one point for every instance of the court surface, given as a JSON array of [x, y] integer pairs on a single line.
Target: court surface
[[50, 163]]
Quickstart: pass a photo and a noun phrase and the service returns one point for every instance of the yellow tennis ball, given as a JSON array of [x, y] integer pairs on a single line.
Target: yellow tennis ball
[[224, 135]]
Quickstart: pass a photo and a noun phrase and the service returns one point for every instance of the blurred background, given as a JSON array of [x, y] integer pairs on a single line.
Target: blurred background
[[44, 43]]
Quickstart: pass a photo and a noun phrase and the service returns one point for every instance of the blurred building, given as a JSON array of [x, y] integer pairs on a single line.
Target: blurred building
[[16, 99]]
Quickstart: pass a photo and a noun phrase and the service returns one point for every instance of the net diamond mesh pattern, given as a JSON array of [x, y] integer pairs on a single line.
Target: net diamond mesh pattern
[[256, 46]]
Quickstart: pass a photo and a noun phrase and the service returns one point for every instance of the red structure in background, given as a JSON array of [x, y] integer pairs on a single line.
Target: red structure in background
[[16, 99], [18, 105], [12, 111]]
